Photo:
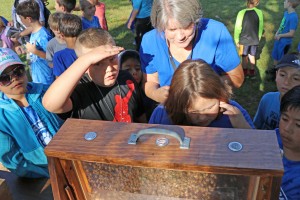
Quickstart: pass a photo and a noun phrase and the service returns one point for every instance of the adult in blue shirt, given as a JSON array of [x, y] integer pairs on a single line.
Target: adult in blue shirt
[[140, 15], [198, 97], [180, 33]]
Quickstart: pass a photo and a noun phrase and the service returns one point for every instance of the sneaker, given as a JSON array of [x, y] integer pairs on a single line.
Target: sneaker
[[246, 73], [251, 73]]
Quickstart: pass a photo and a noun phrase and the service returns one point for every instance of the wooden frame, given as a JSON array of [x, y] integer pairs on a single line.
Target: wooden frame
[[259, 159]]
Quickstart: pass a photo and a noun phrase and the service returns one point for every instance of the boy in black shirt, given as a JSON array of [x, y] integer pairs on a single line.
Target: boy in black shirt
[[104, 93], [247, 34]]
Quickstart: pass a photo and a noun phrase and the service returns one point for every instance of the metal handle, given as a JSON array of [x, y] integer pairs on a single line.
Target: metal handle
[[184, 141]]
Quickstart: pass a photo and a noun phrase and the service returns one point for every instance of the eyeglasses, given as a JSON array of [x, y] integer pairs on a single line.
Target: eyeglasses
[[18, 72]]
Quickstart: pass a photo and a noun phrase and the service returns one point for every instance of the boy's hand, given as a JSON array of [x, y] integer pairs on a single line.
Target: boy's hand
[[102, 52], [277, 37], [235, 115], [129, 24], [20, 50], [16, 36], [10, 23], [31, 48]]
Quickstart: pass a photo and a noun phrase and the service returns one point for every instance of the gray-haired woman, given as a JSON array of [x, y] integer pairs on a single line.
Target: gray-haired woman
[[181, 33]]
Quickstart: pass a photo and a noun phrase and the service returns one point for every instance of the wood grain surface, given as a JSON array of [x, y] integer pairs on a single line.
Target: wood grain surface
[[208, 151]]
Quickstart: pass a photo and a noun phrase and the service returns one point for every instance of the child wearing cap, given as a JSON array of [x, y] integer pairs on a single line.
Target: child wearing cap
[[288, 136], [26, 126], [287, 76]]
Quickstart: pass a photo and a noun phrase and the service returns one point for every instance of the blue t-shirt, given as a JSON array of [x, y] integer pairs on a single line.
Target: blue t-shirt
[[143, 6], [160, 116], [41, 132], [40, 71], [268, 112], [94, 23], [62, 60], [289, 22], [213, 44], [290, 183]]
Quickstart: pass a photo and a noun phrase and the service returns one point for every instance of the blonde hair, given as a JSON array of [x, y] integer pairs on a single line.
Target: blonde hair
[[54, 19], [94, 37]]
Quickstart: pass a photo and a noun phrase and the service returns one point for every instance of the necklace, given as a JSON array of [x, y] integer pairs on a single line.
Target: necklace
[[120, 103]]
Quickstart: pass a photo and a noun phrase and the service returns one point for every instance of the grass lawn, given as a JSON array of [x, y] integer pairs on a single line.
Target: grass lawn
[[249, 95]]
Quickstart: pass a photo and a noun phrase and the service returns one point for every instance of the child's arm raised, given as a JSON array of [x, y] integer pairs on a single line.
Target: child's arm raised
[[57, 98]]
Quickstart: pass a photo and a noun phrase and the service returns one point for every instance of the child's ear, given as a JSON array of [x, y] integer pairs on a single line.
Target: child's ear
[[29, 19], [62, 35], [63, 9]]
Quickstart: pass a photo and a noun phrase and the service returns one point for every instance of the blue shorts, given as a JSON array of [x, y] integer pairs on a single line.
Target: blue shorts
[[249, 50], [279, 49]]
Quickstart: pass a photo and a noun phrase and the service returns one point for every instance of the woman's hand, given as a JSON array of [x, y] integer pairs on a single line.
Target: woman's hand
[[153, 89], [162, 93], [235, 115]]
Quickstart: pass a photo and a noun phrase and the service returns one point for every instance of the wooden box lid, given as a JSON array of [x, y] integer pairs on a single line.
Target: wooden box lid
[[208, 150]]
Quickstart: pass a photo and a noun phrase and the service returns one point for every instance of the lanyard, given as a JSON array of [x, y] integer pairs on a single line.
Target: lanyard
[[191, 55]]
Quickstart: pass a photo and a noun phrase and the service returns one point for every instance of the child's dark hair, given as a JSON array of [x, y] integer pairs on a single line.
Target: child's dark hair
[[252, 2], [290, 100], [129, 54], [70, 25], [29, 8], [294, 3], [69, 5]]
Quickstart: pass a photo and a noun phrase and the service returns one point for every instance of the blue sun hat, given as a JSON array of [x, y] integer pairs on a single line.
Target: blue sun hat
[[289, 60], [7, 58]]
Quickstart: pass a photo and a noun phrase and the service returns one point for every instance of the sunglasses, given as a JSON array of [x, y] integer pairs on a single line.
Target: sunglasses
[[18, 72]]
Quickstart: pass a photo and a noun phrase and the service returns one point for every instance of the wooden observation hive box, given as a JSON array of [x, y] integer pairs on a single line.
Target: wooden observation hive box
[[90, 159]]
